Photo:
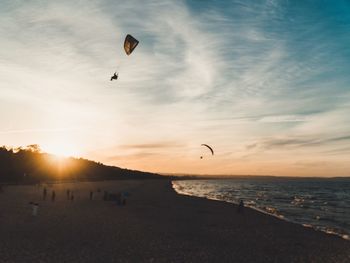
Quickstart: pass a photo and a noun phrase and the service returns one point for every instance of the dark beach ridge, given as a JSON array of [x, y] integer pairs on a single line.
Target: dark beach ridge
[[155, 225]]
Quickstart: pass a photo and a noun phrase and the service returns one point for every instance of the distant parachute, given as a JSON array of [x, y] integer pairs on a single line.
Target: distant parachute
[[130, 43], [211, 149]]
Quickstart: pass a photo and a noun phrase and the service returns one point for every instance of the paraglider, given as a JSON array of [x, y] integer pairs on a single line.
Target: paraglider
[[115, 76], [211, 149], [130, 43]]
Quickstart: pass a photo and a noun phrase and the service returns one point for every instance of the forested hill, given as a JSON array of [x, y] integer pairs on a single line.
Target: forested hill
[[30, 165]]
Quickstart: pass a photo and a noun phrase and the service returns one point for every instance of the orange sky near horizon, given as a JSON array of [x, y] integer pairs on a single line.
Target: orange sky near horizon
[[274, 101]]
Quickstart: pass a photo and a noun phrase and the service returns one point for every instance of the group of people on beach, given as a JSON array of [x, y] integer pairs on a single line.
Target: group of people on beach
[[120, 198], [70, 195], [53, 195]]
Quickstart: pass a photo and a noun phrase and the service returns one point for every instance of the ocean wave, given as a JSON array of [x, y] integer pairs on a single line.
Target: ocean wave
[[296, 201]]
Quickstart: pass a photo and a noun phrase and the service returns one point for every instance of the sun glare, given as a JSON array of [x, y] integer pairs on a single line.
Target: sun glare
[[62, 150]]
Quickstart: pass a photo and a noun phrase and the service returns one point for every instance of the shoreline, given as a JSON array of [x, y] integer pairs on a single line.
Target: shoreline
[[281, 217], [156, 225], [328, 229]]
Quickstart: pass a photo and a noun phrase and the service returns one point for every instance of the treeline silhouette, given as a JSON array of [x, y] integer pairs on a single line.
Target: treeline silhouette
[[30, 165]]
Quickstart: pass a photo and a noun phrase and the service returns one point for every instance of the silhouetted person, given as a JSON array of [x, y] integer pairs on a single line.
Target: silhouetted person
[[68, 193], [35, 208], [240, 206], [91, 195], [71, 196], [53, 197], [115, 76], [44, 193]]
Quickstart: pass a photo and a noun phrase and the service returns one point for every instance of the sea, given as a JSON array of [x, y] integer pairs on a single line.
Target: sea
[[323, 204]]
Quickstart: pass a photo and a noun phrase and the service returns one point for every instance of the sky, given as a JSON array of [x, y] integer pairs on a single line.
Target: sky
[[265, 83]]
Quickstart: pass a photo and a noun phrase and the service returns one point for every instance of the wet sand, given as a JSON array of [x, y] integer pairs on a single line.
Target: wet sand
[[156, 225]]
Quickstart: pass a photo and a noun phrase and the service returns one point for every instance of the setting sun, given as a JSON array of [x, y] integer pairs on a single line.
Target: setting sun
[[61, 149]]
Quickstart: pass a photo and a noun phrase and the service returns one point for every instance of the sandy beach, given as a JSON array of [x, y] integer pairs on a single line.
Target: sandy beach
[[155, 225]]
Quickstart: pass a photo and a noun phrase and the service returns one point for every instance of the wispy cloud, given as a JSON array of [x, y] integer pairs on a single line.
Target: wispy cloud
[[248, 77], [285, 118], [43, 130], [301, 141], [159, 145]]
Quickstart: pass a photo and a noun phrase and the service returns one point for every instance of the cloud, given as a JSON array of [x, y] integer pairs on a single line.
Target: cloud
[[311, 164], [130, 157], [43, 130], [247, 77], [284, 118], [159, 145], [299, 142], [338, 151]]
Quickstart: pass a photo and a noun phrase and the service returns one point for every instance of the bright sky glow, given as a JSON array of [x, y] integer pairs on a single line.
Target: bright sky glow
[[266, 83]]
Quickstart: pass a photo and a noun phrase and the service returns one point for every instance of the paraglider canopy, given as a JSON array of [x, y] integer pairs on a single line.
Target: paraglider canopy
[[207, 146], [211, 149], [130, 43]]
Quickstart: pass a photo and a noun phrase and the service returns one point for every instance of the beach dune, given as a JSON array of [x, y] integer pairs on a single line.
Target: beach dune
[[155, 225]]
